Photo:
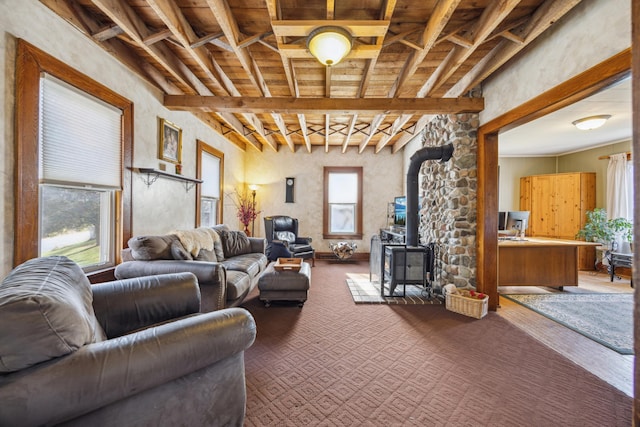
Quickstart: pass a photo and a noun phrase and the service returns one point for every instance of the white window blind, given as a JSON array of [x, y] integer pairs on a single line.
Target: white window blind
[[80, 137], [343, 187], [210, 176]]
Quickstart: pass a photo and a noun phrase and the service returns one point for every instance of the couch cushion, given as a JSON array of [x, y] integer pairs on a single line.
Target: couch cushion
[[234, 243], [148, 248], [46, 312], [252, 263], [238, 284]]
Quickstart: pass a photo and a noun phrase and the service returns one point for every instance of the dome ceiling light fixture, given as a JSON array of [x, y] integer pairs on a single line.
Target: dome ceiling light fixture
[[329, 44], [591, 122]]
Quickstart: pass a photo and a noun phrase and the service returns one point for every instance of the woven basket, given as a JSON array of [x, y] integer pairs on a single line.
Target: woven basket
[[472, 307]]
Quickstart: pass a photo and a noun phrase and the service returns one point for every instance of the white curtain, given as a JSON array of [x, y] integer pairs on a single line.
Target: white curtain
[[619, 187]]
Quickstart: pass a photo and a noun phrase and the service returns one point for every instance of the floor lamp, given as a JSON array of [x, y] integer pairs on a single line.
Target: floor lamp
[[253, 189]]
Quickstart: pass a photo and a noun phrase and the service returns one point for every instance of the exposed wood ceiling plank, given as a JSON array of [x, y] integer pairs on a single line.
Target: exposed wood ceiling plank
[[545, 16], [331, 9], [405, 138], [370, 66], [107, 33], [364, 28], [327, 132], [255, 39], [291, 105], [403, 50], [122, 14], [352, 124], [301, 52], [175, 20], [492, 16], [303, 129], [395, 128], [437, 21], [229, 26], [206, 39], [274, 14], [372, 131], [157, 37]]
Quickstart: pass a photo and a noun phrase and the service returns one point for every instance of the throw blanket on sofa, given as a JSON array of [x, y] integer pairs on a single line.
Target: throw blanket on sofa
[[197, 239]]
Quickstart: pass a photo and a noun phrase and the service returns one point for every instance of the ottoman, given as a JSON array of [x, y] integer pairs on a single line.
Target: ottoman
[[284, 285]]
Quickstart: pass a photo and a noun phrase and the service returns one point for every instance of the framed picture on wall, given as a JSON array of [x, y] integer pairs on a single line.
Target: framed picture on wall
[[169, 142]]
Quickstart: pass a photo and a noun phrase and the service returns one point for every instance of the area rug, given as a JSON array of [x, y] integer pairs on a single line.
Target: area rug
[[364, 291], [604, 318]]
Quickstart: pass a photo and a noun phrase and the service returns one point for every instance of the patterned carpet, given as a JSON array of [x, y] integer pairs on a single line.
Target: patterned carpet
[[365, 292], [336, 363], [605, 318]]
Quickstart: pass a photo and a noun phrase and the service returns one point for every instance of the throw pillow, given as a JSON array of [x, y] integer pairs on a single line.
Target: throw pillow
[[179, 252], [286, 236], [46, 312], [148, 248], [234, 243]]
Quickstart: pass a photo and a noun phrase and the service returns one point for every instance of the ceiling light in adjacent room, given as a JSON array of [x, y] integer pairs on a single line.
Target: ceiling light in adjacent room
[[329, 44], [592, 122]]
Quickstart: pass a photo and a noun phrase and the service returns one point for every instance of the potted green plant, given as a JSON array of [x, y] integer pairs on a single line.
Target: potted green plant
[[605, 231]]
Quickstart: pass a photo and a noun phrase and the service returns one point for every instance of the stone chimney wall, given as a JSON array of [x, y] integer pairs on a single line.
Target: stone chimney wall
[[448, 199]]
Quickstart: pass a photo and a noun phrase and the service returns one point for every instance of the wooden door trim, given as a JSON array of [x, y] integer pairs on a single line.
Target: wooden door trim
[[579, 87]]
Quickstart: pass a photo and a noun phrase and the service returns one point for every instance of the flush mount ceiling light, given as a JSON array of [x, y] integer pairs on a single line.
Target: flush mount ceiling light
[[591, 122], [329, 44]]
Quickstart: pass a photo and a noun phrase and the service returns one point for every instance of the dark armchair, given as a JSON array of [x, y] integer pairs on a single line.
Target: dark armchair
[[283, 241], [127, 352]]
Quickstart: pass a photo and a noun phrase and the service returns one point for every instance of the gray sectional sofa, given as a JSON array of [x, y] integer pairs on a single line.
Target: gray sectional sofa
[[227, 263]]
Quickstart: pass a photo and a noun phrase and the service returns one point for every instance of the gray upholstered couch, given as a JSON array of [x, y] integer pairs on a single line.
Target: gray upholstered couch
[[122, 353], [227, 263]]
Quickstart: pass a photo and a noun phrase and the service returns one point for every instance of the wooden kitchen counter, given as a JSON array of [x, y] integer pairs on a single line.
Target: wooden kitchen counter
[[538, 261]]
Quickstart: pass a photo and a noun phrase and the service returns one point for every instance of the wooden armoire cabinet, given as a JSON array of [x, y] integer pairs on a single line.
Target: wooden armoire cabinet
[[558, 204]]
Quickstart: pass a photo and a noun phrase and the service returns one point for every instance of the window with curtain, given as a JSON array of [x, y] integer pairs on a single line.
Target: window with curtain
[[209, 168], [80, 147], [342, 202], [620, 187]]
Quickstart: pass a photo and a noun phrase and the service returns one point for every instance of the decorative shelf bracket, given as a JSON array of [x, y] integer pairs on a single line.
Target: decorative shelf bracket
[[152, 176]]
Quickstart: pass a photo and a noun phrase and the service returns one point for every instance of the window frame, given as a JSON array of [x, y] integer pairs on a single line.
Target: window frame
[[326, 234], [203, 147], [31, 62]]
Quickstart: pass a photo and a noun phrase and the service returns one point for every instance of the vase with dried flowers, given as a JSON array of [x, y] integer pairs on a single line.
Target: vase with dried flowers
[[246, 209]]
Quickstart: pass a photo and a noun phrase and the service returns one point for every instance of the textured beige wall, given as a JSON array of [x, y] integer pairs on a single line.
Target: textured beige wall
[[382, 181], [163, 206], [592, 32]]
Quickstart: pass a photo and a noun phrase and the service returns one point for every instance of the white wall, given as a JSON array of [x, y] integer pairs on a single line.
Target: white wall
[[381, 183], [165, 205]]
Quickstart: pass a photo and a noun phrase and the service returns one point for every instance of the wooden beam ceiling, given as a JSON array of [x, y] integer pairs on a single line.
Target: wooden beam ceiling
[[244, 68]]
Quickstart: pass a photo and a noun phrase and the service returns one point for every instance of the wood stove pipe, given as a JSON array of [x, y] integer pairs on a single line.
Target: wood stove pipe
[[442, 153]]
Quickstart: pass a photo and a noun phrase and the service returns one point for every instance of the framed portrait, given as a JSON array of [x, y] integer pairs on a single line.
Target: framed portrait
[[170, 142]]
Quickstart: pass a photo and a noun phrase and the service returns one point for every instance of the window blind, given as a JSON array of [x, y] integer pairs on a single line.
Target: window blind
[[210, 186], [343, 187], [80, 137]]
